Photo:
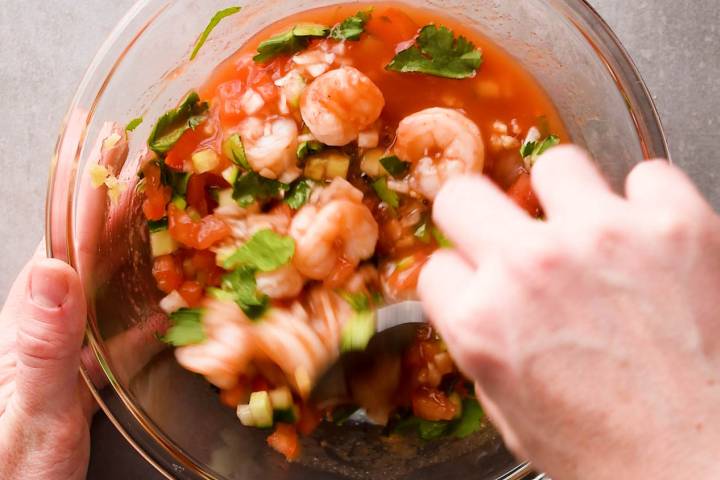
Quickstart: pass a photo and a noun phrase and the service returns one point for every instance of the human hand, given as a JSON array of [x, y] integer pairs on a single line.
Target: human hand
[[593, 335], [45, 408]]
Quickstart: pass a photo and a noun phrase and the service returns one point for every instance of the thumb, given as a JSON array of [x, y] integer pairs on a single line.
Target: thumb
[[51, 322]]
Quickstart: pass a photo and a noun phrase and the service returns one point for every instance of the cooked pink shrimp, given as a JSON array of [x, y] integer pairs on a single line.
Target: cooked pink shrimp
[[338, 227], [340, 104], [284, 283], [440, 143], [271, 147]]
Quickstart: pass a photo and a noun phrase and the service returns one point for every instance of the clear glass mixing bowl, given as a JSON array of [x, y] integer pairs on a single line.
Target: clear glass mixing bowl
[[173, 418]]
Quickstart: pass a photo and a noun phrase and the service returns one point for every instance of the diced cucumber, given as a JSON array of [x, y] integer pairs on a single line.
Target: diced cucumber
[[315, 168], [230, 174], [233, 149], [162, 243], [179, 202], [370, 163], [225, 198], [244, 413], [261, 409], [205, 160], [327, 165], [281, 398], [292, 86], [358, 331], [338, 165]]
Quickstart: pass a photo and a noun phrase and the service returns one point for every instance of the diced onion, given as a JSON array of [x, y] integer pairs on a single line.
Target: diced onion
[[173, 302], [111, 141], [251, 101], [317, 69], [98, 175], [245, 415]]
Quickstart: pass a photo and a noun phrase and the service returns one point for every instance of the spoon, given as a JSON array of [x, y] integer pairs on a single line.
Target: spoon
[[395, 328]]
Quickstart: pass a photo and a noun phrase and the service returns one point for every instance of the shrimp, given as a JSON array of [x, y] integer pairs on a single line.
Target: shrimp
[[271, 147], [440, 143], [341, 104], [339, 229], [284, 283]]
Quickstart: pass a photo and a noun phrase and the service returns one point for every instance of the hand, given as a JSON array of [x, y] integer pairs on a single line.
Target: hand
[[45, 408], [593, 336]]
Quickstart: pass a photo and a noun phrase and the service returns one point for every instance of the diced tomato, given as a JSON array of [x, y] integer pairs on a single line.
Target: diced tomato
[[259, 384], [432, 404], [206, 270], [192, 292], [201, 234], [405, 279], [182, 152], [156, 194], [285, 441], [196, 195], [309, 419], [522, 193], [168, 273], [236, 395], [392, 26]]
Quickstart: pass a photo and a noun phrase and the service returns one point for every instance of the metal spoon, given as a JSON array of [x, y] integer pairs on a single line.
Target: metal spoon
[[395, 329]]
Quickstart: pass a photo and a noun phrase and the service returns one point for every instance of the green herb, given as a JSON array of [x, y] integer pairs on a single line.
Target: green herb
[[186, 328], [394, 166], [532, 150], [240, 287], [251, 188], [359, 302], [158, 225], [422, 231], [287, 43], [299, 193], [234, 149], [266, 251], [429, 430], [352, 27], [470, 421], [386, 195], [437, 52], [358, 331], [134, 123], [308, 148], [440, 238], [217, 18], [171, 126]]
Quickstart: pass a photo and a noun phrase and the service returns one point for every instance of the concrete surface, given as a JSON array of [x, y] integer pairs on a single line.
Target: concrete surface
[[46, 46]]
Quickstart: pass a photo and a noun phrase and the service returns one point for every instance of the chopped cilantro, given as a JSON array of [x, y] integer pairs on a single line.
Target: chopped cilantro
[[308, 148], [234, 149], [394, 166], [186, 328], [266, 251], [178, 181], [217, 18], [437, 52], [469, 422], [158, 225], [252, 187], [532, 150], [352, 27], [240, 287], [386, 195], [359, 302], [174, 123], [287, 43], [134, 123], [299, 193], [440, 238]]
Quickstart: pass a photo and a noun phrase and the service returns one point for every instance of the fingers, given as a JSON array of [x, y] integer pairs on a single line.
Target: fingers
[[658, 185], [442, 279], [51, 322], [474, 213], [569, 185]]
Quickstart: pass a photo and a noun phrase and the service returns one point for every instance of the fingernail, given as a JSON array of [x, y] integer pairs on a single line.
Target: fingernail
[[48, 285]]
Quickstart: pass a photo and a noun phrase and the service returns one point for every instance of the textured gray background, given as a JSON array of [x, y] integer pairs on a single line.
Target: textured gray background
[[45, 47]]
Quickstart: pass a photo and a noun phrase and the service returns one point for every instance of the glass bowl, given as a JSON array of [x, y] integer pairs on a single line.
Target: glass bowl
[[172, 417]]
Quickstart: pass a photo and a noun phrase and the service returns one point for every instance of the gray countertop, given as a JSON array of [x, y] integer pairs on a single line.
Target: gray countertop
[[44, 53]]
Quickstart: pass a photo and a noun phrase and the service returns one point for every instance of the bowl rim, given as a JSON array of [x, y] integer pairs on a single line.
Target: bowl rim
[[579, 13]]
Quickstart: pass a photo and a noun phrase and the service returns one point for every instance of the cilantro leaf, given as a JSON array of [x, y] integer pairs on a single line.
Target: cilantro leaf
[[186, 328], [308, 148], [240, 287], [437, 52], [394, 166], [234, 149], [133, 124], [359, 302], [470, 421], [217, 18], [440, 238], [352, 27], [178, 181], [287, 43], [266, 251], [158, 225], [386, 195], [299, 193], [531, 150], [174, 123], [252, 187]]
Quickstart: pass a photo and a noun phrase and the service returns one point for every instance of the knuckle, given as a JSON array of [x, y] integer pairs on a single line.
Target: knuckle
[[675, 228], [39, 347], [539, 261]]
